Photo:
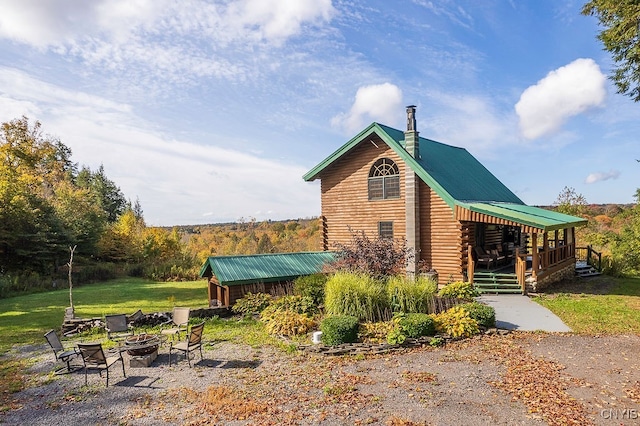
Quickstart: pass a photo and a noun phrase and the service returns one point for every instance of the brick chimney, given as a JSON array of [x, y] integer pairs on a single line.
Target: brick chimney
[[412, 201]]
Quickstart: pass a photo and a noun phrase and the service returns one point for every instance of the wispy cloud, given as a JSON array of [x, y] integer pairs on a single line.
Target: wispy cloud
[[378, 102], [602, 176], [177, 181], [566, 92]]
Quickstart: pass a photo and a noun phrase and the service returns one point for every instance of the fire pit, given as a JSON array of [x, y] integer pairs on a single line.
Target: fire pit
[[142, 344]]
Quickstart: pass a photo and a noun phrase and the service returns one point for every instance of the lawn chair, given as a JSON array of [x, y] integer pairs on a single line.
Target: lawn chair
[[192, 342], [95, 359], [482, 257], [62, 354], [179, 321], [117, 327]]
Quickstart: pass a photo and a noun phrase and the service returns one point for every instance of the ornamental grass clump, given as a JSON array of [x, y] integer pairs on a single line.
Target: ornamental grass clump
[[358, 295], [408, 295]]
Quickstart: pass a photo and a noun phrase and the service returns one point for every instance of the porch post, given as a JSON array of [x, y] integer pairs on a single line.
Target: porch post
[[534, 254], [545, 250], [470, 265]]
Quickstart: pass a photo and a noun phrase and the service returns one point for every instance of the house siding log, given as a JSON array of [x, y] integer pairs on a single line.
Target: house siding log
[[345, 197]]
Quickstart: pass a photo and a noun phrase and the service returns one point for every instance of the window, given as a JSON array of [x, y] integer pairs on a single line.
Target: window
[[385, 229], [384, 180]]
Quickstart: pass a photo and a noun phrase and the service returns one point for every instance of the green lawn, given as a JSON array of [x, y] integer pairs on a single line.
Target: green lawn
[[616, 312], [25, 319]]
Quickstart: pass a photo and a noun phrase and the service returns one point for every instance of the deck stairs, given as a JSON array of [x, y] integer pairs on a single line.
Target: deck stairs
[[584, 270], [496, 283]]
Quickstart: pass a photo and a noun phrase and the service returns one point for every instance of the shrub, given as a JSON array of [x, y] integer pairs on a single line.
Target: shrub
[[379, 257], [339, 329], [483, 314], [456, 322], [289, 323], [416, 325], [459, 290], [376, 332], [407, 295], [396, 337], [311, 286], [357, 295], [302, 305], [252, 303]]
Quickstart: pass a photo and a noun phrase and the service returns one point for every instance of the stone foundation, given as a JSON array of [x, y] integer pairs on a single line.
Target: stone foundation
[[534, 286]]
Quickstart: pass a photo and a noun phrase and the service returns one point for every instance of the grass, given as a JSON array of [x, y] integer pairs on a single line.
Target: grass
[[617, 312], [25, 319]]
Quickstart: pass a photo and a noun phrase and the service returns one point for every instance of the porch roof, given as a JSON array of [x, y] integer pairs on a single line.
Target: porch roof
[[533, 219], [262, 268]]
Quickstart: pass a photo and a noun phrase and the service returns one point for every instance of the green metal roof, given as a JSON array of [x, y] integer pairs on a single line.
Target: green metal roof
[[458, 178], [452, 172], [236, 270], [544, 219]]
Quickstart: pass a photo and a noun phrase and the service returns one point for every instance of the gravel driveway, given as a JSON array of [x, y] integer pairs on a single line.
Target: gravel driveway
[[518, 379]]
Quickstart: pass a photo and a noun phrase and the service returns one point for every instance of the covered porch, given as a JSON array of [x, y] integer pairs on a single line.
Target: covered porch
[[526, 247]]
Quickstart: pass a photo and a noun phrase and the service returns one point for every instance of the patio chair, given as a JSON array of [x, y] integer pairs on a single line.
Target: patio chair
[[191, 343], [117, 327], [482, 257], [62, 354], [497, 257], [179, 322], [95, 359]]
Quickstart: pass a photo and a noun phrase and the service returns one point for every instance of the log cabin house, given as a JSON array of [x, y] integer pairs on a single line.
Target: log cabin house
[[456, 215]]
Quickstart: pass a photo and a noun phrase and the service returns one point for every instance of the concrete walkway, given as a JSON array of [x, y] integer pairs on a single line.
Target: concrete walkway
[[517, 312]]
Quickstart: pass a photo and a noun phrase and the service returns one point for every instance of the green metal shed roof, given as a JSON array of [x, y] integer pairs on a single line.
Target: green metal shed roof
[[236, 270], [536, 217]]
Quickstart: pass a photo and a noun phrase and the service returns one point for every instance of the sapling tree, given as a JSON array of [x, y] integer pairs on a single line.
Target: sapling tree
[[70, 265]]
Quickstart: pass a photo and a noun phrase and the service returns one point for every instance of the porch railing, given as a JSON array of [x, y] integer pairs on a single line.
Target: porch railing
[[590, 256]]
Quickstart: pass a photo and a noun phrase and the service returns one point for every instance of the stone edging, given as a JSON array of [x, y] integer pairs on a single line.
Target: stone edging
[[381, 348]]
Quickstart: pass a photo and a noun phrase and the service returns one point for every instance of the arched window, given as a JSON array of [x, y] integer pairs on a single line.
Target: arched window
[[384, 180]]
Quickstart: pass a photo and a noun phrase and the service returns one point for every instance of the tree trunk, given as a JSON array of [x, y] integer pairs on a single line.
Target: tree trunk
[[70, 265]]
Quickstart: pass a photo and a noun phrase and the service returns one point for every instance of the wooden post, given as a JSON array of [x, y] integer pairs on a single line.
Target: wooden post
[[470, 265], [545, 250], [534, 254]]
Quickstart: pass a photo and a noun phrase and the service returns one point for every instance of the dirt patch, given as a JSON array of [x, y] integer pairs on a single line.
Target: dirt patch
[[522, 378]]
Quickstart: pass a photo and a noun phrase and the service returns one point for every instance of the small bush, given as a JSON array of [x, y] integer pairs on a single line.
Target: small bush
[[376, 332], [407, 295], [311, 286], [252, 303], [300, 304], [456, 322], [396, 337], [339, 329], [459, 290], [416, 325], [289, 323], [358, 295], [483, 314]]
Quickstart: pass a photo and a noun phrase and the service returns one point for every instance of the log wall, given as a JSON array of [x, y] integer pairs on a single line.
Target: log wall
[[441, 240], [345, 196]]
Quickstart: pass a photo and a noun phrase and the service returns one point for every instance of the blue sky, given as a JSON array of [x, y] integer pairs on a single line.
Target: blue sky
[[211, 111]]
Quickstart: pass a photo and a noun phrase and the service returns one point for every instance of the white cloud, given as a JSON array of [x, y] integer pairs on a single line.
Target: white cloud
[[379, 102], [178, 182], [563, 93], [601, 176]]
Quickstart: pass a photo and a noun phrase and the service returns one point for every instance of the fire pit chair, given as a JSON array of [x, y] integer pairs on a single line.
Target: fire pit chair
[[117, 327], [95, 359], [62, 354], [192, 342], [180, 322]]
